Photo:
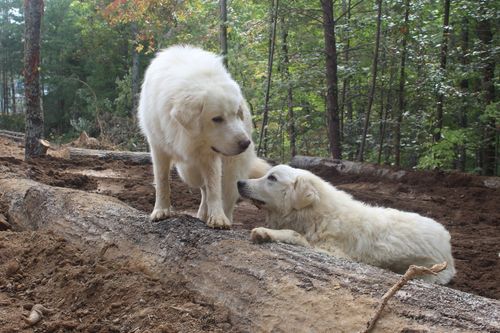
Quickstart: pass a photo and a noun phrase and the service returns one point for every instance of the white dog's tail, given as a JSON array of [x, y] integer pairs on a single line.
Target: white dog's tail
[[258, 168]]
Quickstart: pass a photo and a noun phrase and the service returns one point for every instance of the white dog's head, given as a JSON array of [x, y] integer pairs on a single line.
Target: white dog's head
[[218, 116], [281, 190]]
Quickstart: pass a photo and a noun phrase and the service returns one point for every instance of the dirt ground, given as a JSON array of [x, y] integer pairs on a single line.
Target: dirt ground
[[99, 295]]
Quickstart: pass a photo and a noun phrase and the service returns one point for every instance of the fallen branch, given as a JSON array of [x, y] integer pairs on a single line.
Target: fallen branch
[[412, 272], [36, 314]]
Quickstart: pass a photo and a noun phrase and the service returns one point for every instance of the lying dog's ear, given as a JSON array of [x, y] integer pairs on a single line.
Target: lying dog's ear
[[304, 193], [243, 109], [187, 111]]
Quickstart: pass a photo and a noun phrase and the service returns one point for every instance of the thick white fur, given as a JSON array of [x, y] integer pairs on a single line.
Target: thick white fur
[[320, 215], [184, 90]]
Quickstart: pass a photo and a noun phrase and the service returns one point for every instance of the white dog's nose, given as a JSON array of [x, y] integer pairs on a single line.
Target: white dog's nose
[[244, 144]]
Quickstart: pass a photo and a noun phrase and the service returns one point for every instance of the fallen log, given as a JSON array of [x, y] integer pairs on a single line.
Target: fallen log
[[342, 167], [134, 157], [272, 287]]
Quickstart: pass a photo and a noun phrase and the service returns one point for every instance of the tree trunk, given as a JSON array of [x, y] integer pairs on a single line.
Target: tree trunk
[[262, 147], [332, 109], [490, 133], [384, 112], [13, 93], [5, 88], [464, 86], [135, 84], [444, 54], [401, 92], [272, 287], [33, 11], [223, 31], [373, 83], [289, 96]]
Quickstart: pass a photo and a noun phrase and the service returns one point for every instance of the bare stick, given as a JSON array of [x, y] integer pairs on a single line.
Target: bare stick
[[37, 312], [412, 272]]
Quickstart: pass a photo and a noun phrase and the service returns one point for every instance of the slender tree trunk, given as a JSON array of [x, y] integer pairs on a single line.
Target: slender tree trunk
[[135, 84], [444, 54], [289, 97], [490, 133], [13, 92], [262, 148], [5, 88], [383, 113], [373, 83], [347, 122], [33, 11], [464, 86], [401, 92], [223, 31], [332, 108]]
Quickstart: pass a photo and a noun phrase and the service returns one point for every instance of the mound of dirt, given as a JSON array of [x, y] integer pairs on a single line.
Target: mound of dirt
[[86, 292], [470, 212]]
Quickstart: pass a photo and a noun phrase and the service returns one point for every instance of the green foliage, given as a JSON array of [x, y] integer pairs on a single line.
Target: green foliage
[[13, 122], [442, 155]]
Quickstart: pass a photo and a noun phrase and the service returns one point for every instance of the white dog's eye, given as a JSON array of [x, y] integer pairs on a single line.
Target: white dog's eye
[[217, 119], [271, 178]]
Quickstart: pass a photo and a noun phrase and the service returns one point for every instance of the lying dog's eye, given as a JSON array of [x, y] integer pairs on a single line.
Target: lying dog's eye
[[271, 178], [217, 119]]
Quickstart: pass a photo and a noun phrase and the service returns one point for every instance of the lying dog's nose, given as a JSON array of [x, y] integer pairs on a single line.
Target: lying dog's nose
[[240, 184], [244, 144]]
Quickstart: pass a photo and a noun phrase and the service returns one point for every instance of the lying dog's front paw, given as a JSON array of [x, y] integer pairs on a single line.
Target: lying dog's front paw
[[160, 214], [218, 222], [260, 235]]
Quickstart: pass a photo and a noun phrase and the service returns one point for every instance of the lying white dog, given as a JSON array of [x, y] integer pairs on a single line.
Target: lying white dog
[[320, 215], [194, 116]]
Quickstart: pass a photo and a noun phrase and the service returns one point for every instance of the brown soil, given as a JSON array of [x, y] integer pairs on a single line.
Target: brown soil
[[97, 295]]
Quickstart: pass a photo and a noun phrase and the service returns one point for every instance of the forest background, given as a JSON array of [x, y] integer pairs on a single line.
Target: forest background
[[397, 82]]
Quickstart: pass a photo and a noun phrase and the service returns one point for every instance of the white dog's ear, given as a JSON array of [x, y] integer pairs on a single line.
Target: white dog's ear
[[243, 109], [187, 111], [304, 193]]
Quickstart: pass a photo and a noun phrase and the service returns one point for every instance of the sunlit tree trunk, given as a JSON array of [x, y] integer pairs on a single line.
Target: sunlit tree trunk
[[332, 108], [33, 11], [444, 54], [401, 92], [373, 83], [289, 95], [223, 31], [262, 147]]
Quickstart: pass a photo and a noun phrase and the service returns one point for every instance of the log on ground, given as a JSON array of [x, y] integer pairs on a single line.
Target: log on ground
[[272, 287]]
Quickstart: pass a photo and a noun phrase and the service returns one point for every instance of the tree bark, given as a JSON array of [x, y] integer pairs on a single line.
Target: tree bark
[[13, 93], [223, 31], [33, 11], [289, 95], [262, 147], [135, 84], [490, 133], [464, 86], [332, 108], [272, 287], [373, 83], [401, 92], [444, 54]]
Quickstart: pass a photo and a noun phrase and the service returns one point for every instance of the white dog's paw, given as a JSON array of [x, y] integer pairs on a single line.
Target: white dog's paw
[[260, 235], [218, 222], [160, 214]]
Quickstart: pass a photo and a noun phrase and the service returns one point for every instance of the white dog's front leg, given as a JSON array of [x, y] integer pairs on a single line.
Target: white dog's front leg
[[161, 170], [212, 175], [261, 235], [202, 211]]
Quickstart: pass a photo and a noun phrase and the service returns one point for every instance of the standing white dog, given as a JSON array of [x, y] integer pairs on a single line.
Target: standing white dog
[[194, 116], [321, 215]]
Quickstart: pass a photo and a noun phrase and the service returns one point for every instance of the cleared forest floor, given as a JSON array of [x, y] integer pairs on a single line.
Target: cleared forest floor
[[41, 264]]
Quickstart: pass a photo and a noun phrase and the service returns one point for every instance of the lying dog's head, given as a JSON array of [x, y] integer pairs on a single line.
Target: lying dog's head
[[281, 190], [218, 117]]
